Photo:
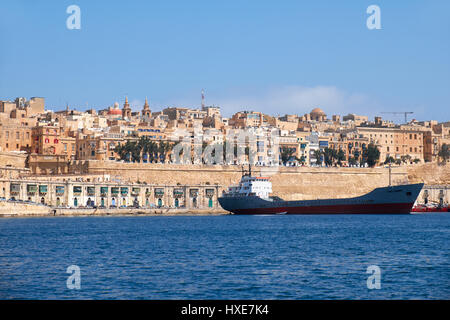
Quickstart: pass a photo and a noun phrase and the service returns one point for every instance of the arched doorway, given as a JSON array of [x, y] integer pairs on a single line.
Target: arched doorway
[[102, 202], [58, 202], [113, 202], [88, 202], [210, 202], [194, 202], [159, 202], [147, 202], [42, 200], [75, 202], [177, 202]]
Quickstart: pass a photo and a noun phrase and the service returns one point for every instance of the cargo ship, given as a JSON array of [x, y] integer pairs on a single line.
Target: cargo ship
[[253, 196]]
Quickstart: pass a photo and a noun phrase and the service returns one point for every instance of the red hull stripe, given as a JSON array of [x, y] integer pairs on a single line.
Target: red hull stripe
[[382, 208]]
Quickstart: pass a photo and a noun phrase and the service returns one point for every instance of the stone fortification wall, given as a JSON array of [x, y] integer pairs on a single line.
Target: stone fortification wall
[[288, 182], [22, 209]]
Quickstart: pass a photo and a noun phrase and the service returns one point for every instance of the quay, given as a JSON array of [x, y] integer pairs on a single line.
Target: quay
[[103, 196]]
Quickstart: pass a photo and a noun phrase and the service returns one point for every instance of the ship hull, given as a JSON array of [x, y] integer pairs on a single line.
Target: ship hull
[[388, 200]]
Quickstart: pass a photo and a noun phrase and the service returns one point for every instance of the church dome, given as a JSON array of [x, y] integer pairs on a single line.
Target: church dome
[[115, 110], [317, 111]]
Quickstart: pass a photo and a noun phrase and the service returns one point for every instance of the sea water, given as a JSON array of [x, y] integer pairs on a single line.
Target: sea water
[[226, 257]]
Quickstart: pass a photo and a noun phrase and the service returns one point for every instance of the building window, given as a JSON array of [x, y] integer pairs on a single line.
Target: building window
[[55, 141], [17, 135], [47, 140]]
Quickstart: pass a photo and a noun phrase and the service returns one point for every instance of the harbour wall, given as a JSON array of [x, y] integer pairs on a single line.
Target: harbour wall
[[22, 209], [11, 209], [288, 182]]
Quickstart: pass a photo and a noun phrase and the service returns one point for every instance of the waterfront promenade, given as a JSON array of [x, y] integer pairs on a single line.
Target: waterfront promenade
[[20, 209]]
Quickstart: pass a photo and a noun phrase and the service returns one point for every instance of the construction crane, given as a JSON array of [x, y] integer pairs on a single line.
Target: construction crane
[[401, 112]]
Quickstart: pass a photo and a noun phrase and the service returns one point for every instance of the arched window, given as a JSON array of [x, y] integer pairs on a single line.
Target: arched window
[[55, 141], [47, 140]]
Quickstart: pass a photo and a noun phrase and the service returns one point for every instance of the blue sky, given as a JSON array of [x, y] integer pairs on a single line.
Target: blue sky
[[274, 56]]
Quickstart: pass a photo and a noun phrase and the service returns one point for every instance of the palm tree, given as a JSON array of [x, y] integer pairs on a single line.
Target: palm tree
[[162, 150], [286, 153], [371, 155], [340, 157], [329, 156], [317, 156]]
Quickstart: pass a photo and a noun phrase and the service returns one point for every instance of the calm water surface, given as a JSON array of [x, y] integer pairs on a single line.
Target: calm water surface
[[226, 257]]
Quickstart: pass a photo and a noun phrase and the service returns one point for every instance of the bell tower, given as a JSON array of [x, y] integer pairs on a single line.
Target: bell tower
[[126, 111], [146, 110]]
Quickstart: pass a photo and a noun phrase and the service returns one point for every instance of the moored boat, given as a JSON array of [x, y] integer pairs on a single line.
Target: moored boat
[[430, 208]]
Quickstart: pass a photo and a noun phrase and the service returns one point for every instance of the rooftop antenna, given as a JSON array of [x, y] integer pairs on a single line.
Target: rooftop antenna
[[203, 99]]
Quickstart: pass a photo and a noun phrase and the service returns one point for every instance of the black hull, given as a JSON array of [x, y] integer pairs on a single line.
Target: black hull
[[387, 200]]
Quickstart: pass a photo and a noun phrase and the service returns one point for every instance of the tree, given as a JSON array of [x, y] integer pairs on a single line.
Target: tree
[[389, 159], [356, 154], [444, 153], [301, 160], [286, 153], [317, 156], [371, 155], [128, 151], [406, 159], [352, 161], [329, 156], [135, 150], [340, 156], [163, 149]]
